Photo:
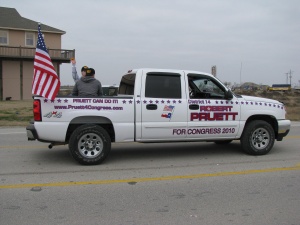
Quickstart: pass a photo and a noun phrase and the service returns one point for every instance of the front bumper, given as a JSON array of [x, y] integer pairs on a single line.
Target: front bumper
[[284, 127]]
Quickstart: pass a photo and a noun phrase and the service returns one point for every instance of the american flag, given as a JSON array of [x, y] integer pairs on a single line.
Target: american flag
[[168, 108], [45, 80]]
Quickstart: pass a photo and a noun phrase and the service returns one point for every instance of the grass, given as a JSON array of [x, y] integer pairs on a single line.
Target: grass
[[19, 113], [15, 113]]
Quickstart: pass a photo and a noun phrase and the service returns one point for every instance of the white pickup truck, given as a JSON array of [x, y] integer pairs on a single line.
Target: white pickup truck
[[158, 105]]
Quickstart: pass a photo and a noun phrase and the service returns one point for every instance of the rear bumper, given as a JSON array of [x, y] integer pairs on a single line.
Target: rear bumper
[[31, 132], [284, 127]]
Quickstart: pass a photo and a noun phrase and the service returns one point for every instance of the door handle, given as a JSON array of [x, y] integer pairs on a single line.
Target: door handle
[[194, 107], [151, 107]]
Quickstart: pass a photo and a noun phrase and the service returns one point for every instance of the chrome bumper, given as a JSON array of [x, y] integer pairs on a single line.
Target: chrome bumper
[[284, 127]]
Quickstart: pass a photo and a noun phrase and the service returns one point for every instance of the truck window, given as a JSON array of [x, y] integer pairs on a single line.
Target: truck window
[[163, 85], [205, 87], [127, 84]]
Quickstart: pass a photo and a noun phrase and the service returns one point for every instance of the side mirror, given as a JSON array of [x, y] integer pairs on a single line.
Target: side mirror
[[228, 95]]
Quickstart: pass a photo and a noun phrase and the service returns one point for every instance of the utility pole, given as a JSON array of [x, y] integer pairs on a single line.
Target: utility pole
[[287, 78], [291, 77], [241, 73]]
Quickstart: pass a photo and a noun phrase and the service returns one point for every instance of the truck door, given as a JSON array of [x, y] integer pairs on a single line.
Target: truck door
[[211, 114], [163, 106]]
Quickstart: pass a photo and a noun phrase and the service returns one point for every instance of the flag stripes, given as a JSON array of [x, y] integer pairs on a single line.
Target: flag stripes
[[45, 80]]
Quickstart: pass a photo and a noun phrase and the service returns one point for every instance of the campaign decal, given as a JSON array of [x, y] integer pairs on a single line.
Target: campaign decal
[[214, 113], [168, 111]]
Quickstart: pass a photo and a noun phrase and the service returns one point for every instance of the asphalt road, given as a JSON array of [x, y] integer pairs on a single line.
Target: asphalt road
[[172, 183]]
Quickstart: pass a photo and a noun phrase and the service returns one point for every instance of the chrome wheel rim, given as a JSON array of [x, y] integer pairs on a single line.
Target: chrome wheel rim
[[260, 138], [90, 145]]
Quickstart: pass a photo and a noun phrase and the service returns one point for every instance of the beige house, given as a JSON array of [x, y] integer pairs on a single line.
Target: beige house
[[18, 37]]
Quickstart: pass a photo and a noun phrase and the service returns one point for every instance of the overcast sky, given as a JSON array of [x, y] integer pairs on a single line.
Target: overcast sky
[[248, 40]]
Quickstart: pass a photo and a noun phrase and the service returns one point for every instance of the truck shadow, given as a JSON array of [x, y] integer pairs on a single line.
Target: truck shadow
[[152, 151]]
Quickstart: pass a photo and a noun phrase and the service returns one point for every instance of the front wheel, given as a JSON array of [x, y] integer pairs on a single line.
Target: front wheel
[[89, 144], [258, 138]]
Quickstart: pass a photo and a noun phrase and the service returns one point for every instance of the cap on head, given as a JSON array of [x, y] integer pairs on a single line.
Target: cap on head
[[90, 72], [84, 68]]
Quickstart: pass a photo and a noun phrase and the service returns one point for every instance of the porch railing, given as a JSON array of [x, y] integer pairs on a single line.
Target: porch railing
[[25, 52]]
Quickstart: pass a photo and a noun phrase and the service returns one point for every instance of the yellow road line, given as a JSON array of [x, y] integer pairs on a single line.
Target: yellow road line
[[147, 179], [292, 137]]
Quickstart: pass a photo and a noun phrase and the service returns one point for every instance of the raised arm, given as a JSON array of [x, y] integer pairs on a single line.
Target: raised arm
[[74, 71]]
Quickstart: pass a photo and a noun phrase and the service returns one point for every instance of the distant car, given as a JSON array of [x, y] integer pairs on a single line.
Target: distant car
[[110, 90]]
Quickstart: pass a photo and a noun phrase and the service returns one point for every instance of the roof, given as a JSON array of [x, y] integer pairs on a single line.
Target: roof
[[12, 20], [168, 71]]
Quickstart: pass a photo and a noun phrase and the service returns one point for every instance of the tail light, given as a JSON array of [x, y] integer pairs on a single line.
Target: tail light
[[37, 110]]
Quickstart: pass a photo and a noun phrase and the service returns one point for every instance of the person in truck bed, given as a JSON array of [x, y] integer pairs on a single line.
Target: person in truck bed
[[88, 86]]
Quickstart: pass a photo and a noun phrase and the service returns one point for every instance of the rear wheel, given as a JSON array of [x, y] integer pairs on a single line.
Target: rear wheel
[[258, 138], [89, 144]]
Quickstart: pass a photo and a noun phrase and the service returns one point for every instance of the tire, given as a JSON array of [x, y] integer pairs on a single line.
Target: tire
[[258, 138], [225, 142], [89, 144]]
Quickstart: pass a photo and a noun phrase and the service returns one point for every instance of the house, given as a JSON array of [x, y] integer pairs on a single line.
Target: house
[[18, 37]]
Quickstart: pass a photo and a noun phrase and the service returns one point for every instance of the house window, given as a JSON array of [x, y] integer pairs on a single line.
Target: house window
[[3, 37], [29, 39]]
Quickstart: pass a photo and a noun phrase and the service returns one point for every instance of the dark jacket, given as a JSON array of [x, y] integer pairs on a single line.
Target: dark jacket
[[87, 87]]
